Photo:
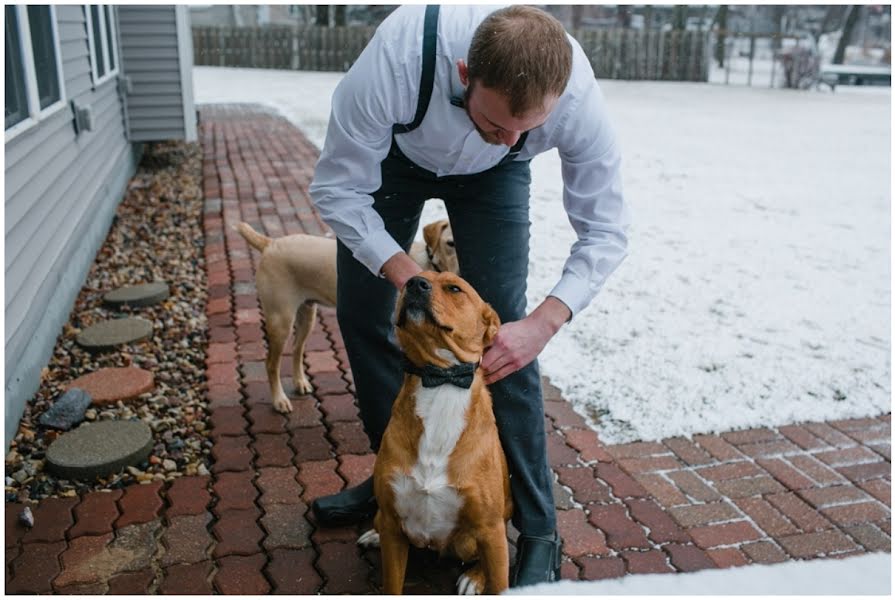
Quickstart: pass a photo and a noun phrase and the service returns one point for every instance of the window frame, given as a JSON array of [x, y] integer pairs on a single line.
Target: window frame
[[104, 34], [32, 94]]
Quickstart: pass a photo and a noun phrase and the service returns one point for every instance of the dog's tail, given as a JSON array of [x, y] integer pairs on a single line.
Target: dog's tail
[[255, 239]]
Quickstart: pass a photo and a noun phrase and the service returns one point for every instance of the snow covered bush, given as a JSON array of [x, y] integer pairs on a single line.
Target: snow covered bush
[[801, 66]]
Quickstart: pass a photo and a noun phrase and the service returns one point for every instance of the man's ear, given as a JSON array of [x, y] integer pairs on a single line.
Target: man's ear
[[432, 232], [492, 324], [463, 71]]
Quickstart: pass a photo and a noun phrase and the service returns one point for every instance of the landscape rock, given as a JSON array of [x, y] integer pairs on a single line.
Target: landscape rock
[[67, 411]]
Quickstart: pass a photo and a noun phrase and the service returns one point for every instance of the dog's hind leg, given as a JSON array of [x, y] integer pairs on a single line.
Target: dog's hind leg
[[370, 539], [492, 573], [304, 322], [472, 581], [277, 325]]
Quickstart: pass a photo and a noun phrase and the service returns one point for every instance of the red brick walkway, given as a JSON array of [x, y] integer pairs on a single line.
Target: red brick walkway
[[758, 496]]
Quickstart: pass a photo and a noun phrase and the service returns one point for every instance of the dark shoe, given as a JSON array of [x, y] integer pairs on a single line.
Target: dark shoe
[[347, 507], [538, 560]]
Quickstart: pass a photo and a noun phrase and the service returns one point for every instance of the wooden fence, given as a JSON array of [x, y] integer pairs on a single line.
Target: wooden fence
[[614, 53]]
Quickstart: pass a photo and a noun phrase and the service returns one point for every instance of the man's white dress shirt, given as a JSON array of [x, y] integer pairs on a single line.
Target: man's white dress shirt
[[381, 89]]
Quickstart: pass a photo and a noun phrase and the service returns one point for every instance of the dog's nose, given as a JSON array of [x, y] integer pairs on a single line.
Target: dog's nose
[[418, 284]]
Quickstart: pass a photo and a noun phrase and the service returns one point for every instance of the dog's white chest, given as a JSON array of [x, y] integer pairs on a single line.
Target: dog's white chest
[[424, 499]]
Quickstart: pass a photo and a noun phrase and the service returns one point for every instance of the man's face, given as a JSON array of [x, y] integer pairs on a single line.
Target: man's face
[[489, 111]]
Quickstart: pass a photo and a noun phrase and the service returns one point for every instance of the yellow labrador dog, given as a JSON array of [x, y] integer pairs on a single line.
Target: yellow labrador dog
[[299, 271]]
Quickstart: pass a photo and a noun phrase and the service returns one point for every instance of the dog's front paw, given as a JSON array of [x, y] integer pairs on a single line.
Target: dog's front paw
[[472, 582], [282, 405], [370, 539]]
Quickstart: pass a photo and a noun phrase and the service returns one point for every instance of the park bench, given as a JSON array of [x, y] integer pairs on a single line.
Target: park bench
[[855, 75]]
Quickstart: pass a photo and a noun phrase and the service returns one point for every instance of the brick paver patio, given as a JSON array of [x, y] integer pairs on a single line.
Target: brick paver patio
[[714, 501]]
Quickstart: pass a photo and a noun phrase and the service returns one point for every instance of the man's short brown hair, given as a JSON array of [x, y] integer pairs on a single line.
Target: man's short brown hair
[[523, 53]]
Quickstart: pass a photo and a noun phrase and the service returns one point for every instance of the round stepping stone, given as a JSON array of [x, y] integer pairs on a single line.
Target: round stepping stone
[[144, 294], [109, 334], [99, 449], [112, 384], [67, 411]]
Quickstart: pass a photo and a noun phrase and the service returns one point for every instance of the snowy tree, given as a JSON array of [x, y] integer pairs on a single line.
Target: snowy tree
[[339, 15], [831, 22], [847, 29], [679, 17], [721, 38]]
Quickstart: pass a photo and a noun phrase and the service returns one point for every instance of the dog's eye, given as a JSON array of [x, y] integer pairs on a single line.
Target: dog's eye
[[450, 243], [454, 289]]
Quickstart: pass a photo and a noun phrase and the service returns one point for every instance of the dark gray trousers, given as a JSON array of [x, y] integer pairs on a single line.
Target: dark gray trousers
[[489, 218]]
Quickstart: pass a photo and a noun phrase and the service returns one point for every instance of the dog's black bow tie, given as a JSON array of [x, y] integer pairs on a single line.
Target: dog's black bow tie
[[459, 375]]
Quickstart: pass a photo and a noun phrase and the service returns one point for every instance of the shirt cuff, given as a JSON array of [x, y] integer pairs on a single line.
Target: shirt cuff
[[574, 292], [375, 250]]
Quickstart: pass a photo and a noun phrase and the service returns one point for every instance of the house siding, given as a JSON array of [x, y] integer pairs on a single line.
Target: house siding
[[151, 55], [61, 192]]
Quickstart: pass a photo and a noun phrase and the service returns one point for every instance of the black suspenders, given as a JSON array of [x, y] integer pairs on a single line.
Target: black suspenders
[[427, 82]]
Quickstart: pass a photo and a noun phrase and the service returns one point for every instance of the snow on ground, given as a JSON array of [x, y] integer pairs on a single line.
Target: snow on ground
[[303, 97], [757, 289], [870, 574]]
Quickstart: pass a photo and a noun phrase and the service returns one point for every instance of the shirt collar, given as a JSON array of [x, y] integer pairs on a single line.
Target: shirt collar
[[456, 91]]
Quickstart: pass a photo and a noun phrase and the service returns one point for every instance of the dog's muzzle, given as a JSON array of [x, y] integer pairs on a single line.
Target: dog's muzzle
[[417, 303], [417, 297], [418, 288]]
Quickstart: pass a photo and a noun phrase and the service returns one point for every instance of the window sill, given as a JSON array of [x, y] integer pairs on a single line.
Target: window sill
[[25, 125], [107, 77]]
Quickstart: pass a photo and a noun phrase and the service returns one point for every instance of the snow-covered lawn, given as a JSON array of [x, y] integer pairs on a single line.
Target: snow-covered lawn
[[866, 575], [757, 290]]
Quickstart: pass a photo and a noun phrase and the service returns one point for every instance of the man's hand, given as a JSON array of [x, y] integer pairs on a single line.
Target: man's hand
[[399, 268], [518, 343]]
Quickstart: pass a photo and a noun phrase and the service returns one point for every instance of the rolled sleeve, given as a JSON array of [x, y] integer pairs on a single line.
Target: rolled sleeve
[[373, 251], [594, 202]]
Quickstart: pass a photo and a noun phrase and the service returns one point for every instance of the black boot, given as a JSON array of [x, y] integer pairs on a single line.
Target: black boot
[[347, 507], [538, 560]]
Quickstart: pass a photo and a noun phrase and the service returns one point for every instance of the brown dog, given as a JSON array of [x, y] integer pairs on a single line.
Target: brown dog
[[441, 478], [299, 271]]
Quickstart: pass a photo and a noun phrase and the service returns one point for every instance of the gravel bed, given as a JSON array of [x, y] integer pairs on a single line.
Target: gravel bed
[[156, 235]]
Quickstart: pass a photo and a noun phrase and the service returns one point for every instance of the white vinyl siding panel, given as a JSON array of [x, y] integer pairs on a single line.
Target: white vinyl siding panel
[[57, 167], [55, 221], [57, 182], [145, 91], [151, 59]]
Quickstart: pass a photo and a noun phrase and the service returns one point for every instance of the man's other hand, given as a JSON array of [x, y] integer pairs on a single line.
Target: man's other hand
[[519, 342]]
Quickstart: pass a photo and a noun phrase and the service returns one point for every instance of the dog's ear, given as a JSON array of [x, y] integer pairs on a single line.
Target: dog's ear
[[432, 232], [492, 324]]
